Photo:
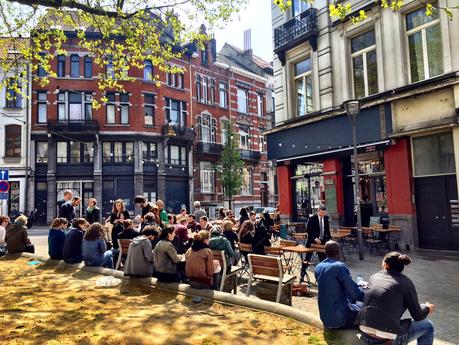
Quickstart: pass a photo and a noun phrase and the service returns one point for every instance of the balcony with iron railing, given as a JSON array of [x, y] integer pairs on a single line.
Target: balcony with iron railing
[[73, 126], [250, 155], [297, 30], [178, 131], [208, 148]]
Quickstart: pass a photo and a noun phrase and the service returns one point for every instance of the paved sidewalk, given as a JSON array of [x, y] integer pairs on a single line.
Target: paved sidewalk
[[435, 275]]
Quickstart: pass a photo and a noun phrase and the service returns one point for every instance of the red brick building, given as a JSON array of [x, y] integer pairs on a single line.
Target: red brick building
[[161, 142]]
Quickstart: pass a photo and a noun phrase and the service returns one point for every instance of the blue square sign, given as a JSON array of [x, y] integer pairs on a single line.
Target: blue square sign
[[4, 174], [3, 196]]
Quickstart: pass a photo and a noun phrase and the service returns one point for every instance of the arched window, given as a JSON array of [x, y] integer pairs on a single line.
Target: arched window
[[61, 66], [74, 66], [87, 66], [13, 141], [198, 87], [147, 70]]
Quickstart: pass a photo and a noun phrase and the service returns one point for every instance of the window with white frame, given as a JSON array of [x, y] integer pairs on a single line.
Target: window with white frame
[[42, 107], [223, 93], [149, 109], [224, 123], [424, 44], [303, 87], [124, 108], [364, 66], [259, 104], [198, 87], [261, 144], [207, 177], [110, 68], [176, 79], [204, 90], [242, 101], [41, 152], [13, 96], [212, 91], [299, 6], [13, 139], [207, 128], [246, 188], [147, 71], [111, 110], [149, 152], [74, 106], [176, 112], [244, 139], [176, 155], [118, 152]]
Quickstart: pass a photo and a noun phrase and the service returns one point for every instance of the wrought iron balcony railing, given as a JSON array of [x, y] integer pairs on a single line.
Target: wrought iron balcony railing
[[207, 148], [178, 131], [295, 31], [250, 155], [72, 126]]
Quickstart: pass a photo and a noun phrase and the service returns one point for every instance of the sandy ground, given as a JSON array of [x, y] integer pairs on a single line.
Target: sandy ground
[[52, 304]]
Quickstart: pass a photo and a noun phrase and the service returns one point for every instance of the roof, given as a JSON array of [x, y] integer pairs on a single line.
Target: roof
[[11, 45], [255, 58]]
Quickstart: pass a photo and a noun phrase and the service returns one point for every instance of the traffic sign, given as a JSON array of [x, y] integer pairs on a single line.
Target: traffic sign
[[4, 186], [3, 196], [4, 174]]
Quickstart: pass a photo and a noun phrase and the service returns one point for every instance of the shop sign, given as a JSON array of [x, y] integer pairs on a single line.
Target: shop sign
[[371, 148]]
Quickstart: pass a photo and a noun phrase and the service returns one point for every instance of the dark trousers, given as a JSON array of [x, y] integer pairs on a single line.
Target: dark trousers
[[166, 277], [305, 263]]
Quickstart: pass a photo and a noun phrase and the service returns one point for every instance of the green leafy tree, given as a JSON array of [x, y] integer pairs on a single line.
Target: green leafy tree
[[231, 165], [120, 33], [343, 9]]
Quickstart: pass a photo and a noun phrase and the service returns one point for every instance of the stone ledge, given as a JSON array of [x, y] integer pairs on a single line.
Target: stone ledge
[[223, 297]]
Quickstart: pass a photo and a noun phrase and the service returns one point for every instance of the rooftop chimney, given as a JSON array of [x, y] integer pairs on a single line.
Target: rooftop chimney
[[248, 39]]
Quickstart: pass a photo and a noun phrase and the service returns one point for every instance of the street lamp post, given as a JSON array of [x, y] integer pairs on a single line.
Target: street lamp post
[[352, 109]]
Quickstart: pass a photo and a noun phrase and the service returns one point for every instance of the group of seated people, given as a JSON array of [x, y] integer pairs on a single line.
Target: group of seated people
[[172, 248], [376, 306], [14, 237]]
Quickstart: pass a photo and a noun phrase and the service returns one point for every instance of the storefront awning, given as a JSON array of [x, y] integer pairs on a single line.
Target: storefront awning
[[370, 147]]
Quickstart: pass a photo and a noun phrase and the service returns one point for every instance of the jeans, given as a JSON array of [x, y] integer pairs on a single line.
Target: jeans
[[108, 259], [422, 330]]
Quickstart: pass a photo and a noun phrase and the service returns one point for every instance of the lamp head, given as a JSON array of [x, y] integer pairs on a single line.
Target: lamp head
[[352, 107]]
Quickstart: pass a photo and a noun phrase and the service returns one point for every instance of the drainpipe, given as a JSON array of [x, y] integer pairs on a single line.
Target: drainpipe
[[27, 129], [191, 154]]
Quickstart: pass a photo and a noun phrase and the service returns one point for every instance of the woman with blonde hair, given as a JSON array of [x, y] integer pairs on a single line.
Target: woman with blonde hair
[[200, 265], [117, 217], [16, 237]]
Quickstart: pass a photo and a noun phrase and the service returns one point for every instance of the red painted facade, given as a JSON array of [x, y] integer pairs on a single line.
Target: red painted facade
[[399, 178]]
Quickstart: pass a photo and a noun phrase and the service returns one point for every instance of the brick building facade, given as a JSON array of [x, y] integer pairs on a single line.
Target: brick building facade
[[149, 140]]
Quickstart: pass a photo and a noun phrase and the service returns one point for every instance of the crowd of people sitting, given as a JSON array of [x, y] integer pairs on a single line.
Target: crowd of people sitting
[[178, 248]]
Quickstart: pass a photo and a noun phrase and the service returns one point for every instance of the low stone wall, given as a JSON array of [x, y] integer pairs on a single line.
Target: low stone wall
[[223, 297]]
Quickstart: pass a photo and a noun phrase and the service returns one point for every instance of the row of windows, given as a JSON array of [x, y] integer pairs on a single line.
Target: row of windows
[[425, 60], [73, 106], [207, 179], [207, 132], [112, 152]]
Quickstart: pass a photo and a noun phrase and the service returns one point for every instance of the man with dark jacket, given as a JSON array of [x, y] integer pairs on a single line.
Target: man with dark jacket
[[67, 210], [219, 242], [337, 291], [318, 230], [72, 251]]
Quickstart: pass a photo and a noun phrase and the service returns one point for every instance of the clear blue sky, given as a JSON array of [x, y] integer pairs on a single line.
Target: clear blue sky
[[257, 16]]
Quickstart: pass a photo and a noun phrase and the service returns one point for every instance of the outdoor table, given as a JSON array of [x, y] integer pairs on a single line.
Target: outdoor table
[[385, 235], [300, 250]]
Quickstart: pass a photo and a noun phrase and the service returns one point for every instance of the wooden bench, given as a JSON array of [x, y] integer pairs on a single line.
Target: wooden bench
[[221, 257], [269, 268], [123, 247]]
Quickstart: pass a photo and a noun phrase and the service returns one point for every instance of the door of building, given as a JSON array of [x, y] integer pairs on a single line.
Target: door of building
[[436, 196]]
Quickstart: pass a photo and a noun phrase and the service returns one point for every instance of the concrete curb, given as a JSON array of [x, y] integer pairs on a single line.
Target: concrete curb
[[223, 297]]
